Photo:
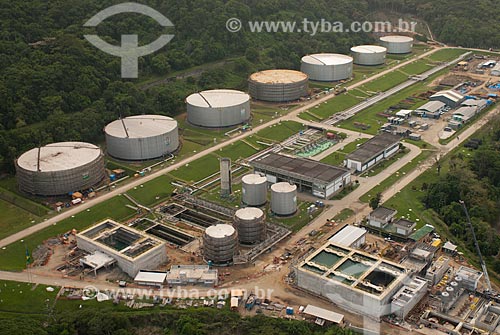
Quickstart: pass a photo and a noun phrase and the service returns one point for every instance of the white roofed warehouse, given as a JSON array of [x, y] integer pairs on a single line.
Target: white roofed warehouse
[[142, 137], [372, 152], [60, 168], [278, 85], [327, 66], [369, 54], [218, 108]]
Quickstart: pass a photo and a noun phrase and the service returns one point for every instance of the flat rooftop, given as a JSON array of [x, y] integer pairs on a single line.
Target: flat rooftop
[[355, 270], [383, 213], [324, 314], [294, 166], [371, 49], [348, 235], [327, 59], [374, 147], [141, 126], [59, 156], [192, 272]]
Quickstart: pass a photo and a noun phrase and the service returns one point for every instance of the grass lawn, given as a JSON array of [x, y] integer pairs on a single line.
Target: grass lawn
[[353, 145], [160, 187], [335, 159], [14, 219], [444, 55], [336, 105], [417, 67], [14, 256], [384, 164], [344, 214], [198, 169], [24, 298], [281, 131], [385, 82], [386, 183], [236, 151]]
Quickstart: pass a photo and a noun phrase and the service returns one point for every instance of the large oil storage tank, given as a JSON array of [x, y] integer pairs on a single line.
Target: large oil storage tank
[[283, 199], [397, 44], [142, 137], [327, 66], [254, 189], [60, 168], [278, 85], [220, 244], [218, 108], [369, 54], [250, 222]]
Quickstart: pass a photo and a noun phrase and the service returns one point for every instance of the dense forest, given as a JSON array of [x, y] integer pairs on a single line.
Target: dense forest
[[55, 86], [474, 177], [170, 322]]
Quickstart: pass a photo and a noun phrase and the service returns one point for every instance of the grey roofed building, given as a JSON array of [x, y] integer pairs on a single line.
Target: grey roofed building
[[479, 104], [449, 97], [464, 114], [381, 216], [404, 227], [432, 108], [371, 152], [324, 180]]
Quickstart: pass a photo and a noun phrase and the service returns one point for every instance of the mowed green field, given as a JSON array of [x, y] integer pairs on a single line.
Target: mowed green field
[[385, 82], [335, 105], [198, 169], [236, 151], [13, 257], [444, 55], [417, 67], [147, 195], [25, 298], [13, 219]]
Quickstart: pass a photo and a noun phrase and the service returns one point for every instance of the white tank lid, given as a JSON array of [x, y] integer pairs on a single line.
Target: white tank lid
[[283, 187], [253, 179], [220, 230], [249, 213]]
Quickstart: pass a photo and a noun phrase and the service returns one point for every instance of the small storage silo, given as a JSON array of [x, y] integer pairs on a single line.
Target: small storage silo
[[283, 199], [220, 244], [250, 222], [254, 189], [397, 44]]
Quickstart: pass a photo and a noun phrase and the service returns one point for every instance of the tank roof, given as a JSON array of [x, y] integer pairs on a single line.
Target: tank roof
[[327, 59], [368, 49], [279, 76], [59, 156], [141, 126], [396, 38], [254, 179], [217, 98], [220, 230], [249, 213], [283, 187]]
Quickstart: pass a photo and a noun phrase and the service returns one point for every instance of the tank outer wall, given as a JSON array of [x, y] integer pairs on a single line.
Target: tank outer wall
[[394, 47], [254, 194], [250, 231], [284, 203], [327, 72], [218, 117], [62, 182], [369, 59], [146, 148], [220, 250], [278, 92]]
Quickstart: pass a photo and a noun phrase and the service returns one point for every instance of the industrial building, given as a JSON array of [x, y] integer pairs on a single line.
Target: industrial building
[[192, 275], [142, 137], [220, 244], [408, 297], [480, 104], [349, 236], [357, 281], [380, 217], [322, 180], [373, 151], [323, 317], [60, 168], [397, 44], [132, 249], [254, 190], [495, 71], [327, 66], [369, 54], [470, 277], [278, 85], [431, 109], [450, 98], [218, 108], [150, 278], [284, 199], [250, 223], [404, 227], [437, 270], [462, 116]]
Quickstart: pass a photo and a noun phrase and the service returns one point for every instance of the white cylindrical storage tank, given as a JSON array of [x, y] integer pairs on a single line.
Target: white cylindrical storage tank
[[250, 222], [459, 281], [283, 199], [369, 54], [450, 290], [397, 44], [218, 108], [327, 66], [445, 298], [142, 137], [278, 85], [60, 168], [454, 284], [254, 189], [220, 244]]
